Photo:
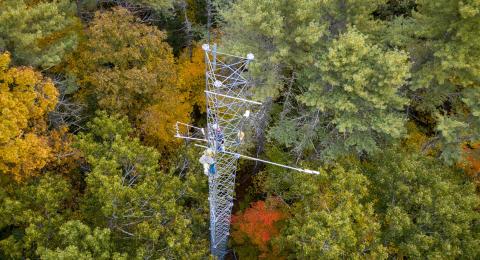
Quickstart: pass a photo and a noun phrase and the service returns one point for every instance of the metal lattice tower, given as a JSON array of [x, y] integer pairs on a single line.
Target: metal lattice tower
[[228, 111], [226, 93]]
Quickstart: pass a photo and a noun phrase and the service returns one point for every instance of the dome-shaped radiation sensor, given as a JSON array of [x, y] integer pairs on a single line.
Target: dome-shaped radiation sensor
[[217, 83]]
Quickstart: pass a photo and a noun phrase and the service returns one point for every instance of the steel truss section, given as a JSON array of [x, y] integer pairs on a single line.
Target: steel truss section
[[229, 110]]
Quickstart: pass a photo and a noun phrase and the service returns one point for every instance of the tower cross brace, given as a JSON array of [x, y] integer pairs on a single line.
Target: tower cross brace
[[229, 109]]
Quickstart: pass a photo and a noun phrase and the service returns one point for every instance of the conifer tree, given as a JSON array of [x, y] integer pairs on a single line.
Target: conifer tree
[[285, 41], [426, 209], [355, 85], [445, 43], [329, 214], [38, 33], [325, 63], [128, 194]]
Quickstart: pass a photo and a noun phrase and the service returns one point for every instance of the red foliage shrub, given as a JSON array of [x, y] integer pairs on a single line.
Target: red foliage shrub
[[471, 162], [258, 224]]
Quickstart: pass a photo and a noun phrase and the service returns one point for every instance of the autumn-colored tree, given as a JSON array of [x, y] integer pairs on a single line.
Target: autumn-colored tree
[[65, 159], [471, 162], [26, 97], [122, 63], [191, 75], [257, 225], [126, 67]]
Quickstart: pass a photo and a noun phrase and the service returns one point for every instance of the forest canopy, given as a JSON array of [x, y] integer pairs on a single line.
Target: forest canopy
[[381, 97]]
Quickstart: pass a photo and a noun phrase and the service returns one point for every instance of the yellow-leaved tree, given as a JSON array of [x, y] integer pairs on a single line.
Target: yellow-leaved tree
[[191, 75], [26, 97], [125, 66]]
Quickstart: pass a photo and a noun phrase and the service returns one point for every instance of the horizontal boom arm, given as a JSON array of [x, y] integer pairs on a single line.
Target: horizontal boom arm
[[267, 162]]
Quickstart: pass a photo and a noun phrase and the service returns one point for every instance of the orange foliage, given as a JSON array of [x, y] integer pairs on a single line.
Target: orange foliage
[[186, 92], [126, 67], [65, 158], [258, 224], [26, 98], [471, 162], [191, 75]]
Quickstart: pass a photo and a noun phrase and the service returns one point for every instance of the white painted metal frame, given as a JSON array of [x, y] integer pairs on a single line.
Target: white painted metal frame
[[227, 93], [228, 109], [189, 132]]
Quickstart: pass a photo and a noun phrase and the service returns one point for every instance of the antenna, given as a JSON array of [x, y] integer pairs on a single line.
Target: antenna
[[229, 109]]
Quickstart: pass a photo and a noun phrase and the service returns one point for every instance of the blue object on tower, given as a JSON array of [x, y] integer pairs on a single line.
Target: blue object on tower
[[211, 169]]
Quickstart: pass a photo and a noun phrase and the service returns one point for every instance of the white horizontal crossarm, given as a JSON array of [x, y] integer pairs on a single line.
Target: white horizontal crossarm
[[191, 138], [206, 48], [267, 162], [274, 163], [189, 132], [236, 98]]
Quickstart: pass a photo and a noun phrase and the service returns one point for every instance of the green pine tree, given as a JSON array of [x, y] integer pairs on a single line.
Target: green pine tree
[[329, 215], [128, 194], [426, 209], [448, 78], [443, 39], [31, 214], [336, 81], [38, 34], [355, 85]]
